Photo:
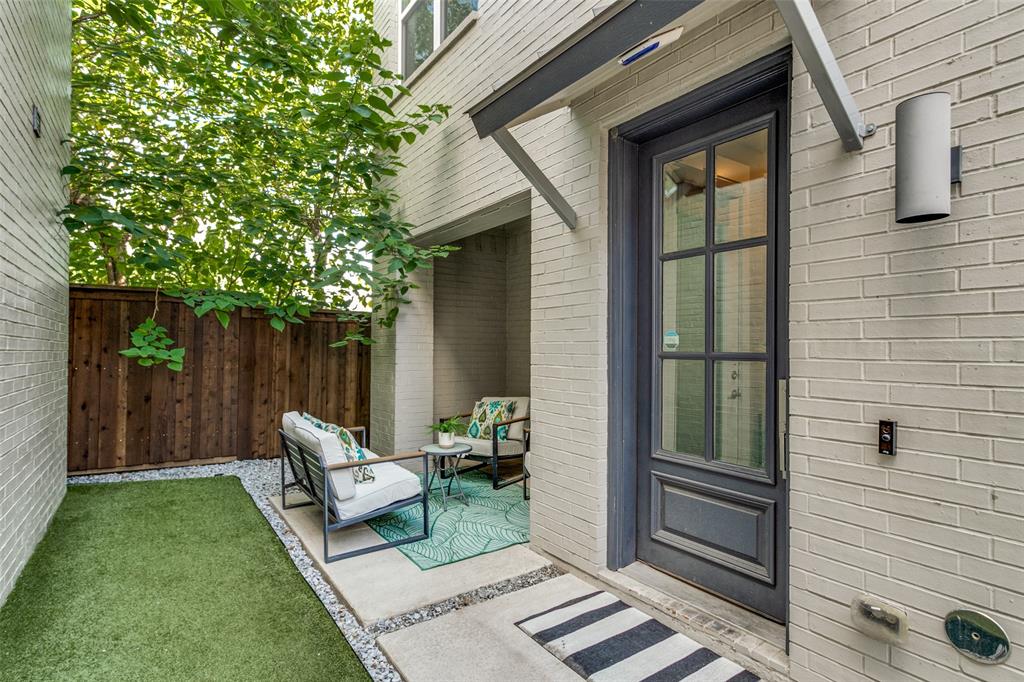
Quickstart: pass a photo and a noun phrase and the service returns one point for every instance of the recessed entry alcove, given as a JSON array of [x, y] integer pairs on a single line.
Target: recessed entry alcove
[[482, 318]]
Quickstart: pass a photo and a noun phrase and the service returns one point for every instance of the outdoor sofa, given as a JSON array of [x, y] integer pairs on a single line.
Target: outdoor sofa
[[326, 478]]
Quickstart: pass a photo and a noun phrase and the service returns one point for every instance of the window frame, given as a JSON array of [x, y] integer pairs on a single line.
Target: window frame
[[440, 19]]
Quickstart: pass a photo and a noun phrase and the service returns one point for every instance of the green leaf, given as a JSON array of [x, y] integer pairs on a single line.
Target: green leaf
[[233, 151], [223, 318]]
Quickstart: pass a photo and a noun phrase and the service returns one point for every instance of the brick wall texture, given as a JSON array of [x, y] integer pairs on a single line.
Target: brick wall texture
[[482, 319], [922, 323], [34, 69]]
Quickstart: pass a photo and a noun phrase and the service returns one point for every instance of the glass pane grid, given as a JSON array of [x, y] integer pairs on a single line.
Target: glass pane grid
[[740, 300], [741, 188], [684, 207], [682, 406], [740, 406], [455, 12], [682, 305], [728, 356], [418, 35]]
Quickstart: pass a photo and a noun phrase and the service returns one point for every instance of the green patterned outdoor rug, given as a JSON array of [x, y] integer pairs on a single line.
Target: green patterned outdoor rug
[[493, 520]]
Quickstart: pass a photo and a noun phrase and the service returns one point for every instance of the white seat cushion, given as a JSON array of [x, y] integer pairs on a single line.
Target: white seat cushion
[[323, 443], [484, 447], [515, 431], [392, 483]]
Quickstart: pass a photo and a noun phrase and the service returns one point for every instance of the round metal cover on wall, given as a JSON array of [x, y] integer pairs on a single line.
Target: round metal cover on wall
[[977, 636]]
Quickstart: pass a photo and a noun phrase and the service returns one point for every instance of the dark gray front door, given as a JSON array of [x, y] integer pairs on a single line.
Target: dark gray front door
[[711, 492]]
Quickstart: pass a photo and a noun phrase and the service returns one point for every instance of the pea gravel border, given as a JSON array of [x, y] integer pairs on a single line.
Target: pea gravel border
[[261, 479]]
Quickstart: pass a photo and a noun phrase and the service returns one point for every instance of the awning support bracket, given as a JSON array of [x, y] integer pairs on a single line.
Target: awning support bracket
[[811, 43], [535, 175]]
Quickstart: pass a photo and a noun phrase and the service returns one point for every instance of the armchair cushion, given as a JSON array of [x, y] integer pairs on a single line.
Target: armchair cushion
[[484, 447], [391, 483], [485, 414], [522, 409]]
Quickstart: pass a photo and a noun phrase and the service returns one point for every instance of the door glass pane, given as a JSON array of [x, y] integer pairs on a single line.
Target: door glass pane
[[683, 196], [454, 12], [740, 300], [682, 406], [740, 413], [418, 34], [682, 305], [741, 188]]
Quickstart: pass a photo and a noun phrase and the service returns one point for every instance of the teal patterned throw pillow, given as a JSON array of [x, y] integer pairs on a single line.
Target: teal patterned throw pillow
[[485, 414], [349, 446]]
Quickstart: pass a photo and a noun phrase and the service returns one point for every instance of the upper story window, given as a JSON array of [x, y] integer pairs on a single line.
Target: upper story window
[[425, 24]]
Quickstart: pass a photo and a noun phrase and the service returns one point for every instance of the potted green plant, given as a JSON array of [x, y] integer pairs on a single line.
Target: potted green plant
[[446, 431]]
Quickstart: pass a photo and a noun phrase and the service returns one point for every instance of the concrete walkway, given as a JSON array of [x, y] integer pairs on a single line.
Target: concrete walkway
[[481, 642], [428, 635], [386, 584]]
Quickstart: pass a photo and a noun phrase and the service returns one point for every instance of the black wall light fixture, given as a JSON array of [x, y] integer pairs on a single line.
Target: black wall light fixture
[[925, 165], [37, 121]]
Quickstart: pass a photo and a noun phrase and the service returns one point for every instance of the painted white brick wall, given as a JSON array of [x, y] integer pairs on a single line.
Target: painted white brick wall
[[517, 314], [924, 324], [470, 348], [35, 46], [402, 372], [482, 319]]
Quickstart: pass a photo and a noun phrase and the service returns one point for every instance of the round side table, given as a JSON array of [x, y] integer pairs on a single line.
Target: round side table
[[446, 465]]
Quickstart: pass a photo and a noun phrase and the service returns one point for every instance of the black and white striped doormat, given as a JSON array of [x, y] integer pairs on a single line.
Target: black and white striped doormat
[[605, 640]]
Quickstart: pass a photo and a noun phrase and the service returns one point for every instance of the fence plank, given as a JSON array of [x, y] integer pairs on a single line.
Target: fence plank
[[225, 403]]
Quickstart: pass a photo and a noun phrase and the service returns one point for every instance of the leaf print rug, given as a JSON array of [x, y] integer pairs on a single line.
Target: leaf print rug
[[493, 520]]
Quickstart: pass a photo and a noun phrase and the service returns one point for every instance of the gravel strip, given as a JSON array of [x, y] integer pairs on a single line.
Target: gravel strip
[[261, 478], [461, 601]]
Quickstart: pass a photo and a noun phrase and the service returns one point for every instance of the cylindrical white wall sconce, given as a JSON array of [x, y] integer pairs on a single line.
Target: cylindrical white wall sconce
[[923, 161]]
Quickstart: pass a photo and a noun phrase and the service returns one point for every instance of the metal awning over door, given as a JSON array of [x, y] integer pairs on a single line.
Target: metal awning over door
[[590, 55]]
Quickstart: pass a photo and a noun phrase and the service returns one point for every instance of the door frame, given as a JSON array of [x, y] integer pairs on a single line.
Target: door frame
[[623, 266]]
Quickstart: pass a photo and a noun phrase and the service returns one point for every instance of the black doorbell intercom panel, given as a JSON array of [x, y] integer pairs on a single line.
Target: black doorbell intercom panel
[[887, 437]]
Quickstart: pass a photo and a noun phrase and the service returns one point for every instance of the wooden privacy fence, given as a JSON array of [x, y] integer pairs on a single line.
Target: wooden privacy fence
[[225, 403]]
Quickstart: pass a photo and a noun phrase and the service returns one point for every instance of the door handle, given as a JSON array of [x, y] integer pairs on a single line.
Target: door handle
[[781, 419]]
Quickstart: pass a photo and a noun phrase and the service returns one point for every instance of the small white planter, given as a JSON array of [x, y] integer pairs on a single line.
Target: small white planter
[[446, 440]]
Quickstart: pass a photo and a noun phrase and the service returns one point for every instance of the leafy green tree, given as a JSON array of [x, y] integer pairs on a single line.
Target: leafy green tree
[[231, 152]]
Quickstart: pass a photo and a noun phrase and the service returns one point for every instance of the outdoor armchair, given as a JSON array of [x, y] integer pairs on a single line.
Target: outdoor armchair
[[327, 481], [490, 452]]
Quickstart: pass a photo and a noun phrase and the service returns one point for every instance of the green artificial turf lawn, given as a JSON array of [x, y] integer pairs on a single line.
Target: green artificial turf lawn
[[166, 580]]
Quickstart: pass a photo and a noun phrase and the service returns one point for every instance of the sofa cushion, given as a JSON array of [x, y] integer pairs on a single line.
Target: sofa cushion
[[350, 447], [515, 431], [485, 414], [391, 483], [326, 445]]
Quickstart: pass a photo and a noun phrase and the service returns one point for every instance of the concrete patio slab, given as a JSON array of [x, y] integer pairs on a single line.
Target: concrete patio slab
[[385, 584], [481, 642]]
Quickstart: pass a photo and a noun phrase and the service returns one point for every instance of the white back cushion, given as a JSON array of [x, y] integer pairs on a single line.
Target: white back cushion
[[289, 420], [326, 444]]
